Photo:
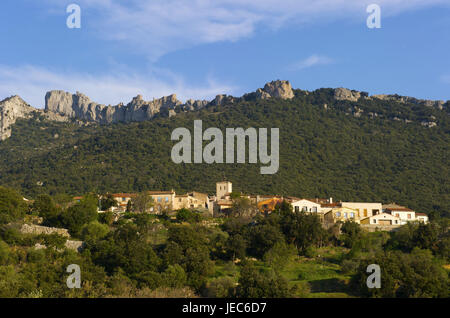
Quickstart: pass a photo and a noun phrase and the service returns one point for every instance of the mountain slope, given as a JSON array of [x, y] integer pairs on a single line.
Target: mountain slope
[[352, 149]]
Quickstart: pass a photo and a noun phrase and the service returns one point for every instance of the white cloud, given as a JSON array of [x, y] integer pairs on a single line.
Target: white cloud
[[32, 82], [311, 61], [157, 27]]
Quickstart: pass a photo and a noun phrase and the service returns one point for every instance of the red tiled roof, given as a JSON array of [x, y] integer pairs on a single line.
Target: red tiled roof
[[160, 192], [124, 195], [421, 214]]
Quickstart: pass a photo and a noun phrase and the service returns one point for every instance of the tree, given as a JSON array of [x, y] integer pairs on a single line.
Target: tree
[[303, 230], [236, 246], [242, 207], [351, 233], [185, 215], [263, 237], [174, 276], [129, 206], [405, 275], [254, 284], [142, 202], [107, 202], [94, 231], [280, 255], [80, 214], [45, 207], [12, 206]]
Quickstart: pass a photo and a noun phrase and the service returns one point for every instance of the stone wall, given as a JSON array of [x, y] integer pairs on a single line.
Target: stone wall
[[39, 229]]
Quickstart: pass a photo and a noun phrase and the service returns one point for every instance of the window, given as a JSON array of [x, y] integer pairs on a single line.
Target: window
[[124, 199], [409, 216], [297, 209], [305, 209], [338, 214], [314, 209], [159, 199], [167, 199], [374, 221], [352, 215], [365, 212], [345, 214]]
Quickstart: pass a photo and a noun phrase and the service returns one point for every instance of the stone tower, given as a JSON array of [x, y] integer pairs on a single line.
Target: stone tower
[[223, 188]]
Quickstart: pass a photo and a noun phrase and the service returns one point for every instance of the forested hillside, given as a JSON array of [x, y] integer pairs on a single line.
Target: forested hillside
[[371, 150]]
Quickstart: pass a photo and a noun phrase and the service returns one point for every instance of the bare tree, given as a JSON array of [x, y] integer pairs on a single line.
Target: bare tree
[[142, 202]]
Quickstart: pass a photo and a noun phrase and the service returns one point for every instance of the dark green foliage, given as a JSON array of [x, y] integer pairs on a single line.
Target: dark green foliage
[[54, 240], [236, 246], [185, 215], [303, 230], [107, 202], [351, 233], [80, 214], [45, 207], [255, 284], [431, 236], [322, 153], [12, 206], [405, 275], [188, 247], [262, 237]]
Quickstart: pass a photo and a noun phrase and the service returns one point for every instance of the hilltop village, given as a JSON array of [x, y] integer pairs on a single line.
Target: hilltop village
[[370, 215]]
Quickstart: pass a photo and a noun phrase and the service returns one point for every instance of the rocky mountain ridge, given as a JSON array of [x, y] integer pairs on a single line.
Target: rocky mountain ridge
[[64, 106]]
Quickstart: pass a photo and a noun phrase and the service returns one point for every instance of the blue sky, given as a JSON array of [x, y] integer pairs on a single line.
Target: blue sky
[[201, 48]]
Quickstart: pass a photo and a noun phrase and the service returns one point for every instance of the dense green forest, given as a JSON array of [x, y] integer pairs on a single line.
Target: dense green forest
[[324, 152], [191, 254]]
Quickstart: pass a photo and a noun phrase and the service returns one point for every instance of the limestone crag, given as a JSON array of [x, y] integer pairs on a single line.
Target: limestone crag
[[346, 94], [12, 109], [276, 89], [439, 104], [353, 96], [64, 106], [79, 106]]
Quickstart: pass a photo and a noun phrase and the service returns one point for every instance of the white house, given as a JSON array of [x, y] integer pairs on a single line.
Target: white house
[[381, 219], [306, 205], [405, 214], [422, 217]]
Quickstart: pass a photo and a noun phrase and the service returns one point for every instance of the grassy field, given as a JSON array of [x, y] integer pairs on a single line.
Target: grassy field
[[318, 277]]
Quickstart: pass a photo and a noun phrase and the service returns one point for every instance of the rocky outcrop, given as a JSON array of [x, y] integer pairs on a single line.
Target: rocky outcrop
[[346, 94], [276, 89], [438, 104], [12, 109], [223, 99], [79, 106], [63, 106]]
